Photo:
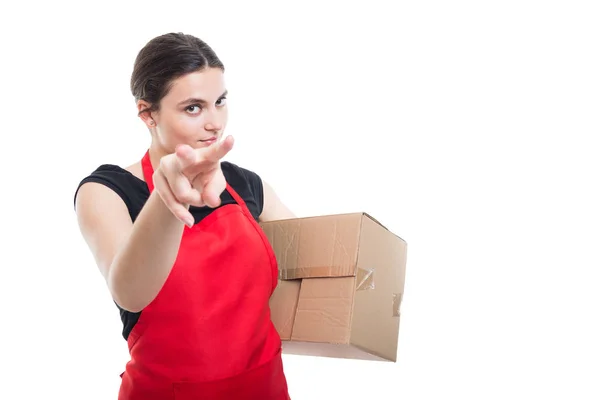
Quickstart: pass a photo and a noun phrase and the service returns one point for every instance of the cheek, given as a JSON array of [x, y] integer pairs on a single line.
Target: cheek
[[182, 128], [224, 117]]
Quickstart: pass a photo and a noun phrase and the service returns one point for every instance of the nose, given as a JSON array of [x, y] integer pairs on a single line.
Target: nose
[[213, 122]]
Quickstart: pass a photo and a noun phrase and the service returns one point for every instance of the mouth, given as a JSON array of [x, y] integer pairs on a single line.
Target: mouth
[[209, 140]]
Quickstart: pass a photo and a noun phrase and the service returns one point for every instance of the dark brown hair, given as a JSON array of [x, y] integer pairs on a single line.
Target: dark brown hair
[[164, 59]]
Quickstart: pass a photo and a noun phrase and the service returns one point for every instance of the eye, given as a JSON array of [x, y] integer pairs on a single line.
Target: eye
[[193, 109], [221, 102]]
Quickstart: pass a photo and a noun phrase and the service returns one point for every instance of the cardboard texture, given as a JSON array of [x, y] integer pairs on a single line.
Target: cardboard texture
[[340, 288]]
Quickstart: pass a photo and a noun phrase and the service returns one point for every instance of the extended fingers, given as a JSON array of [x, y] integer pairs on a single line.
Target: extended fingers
[[179, 184], [192, 162]]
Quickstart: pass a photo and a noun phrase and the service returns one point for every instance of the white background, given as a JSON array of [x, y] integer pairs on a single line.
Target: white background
[[469, 128]]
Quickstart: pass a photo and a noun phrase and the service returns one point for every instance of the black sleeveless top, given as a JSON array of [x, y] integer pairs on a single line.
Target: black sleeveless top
[[134, 193]]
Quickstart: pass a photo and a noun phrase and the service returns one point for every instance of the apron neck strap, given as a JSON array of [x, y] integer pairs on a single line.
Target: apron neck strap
[[148, 171]]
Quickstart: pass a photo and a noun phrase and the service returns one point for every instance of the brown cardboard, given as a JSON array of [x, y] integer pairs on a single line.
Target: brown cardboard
[[283, 304], [341, 286]]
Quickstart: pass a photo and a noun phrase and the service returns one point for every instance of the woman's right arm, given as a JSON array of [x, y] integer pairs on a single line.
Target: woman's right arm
[[134, 258]]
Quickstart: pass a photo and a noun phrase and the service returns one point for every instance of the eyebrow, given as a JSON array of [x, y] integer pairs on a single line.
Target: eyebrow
[[198, 100]]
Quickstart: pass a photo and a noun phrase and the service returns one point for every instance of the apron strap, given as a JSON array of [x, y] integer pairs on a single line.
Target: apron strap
[[148, 171]]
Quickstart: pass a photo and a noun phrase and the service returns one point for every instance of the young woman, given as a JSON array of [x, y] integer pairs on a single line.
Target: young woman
[[176, 237]]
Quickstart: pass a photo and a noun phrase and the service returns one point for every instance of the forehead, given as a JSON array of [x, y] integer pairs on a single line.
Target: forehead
[[207, 84]]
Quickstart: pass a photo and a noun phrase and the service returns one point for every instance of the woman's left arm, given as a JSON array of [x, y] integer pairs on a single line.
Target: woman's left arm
[[273, 207]]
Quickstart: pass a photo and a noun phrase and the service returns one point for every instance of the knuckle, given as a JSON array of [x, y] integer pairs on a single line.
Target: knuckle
[[184, 197], [180, 195]]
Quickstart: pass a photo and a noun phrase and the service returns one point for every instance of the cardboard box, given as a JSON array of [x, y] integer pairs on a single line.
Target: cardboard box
[[341, 286]]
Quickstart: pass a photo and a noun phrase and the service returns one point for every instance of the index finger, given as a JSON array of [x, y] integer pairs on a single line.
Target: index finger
[[193, 161], [218, 150]]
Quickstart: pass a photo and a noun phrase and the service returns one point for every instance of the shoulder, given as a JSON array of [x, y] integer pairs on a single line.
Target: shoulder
[[111, 172], [113, 176], [131, 189], [246, 182], [234, 173], [241, 172], [270, 207]]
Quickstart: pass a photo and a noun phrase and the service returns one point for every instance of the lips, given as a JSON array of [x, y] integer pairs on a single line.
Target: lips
[[209, 140]]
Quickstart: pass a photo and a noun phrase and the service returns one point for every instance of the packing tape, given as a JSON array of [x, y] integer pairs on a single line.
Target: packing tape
[[314, 272], [397, 300], [365, 279]]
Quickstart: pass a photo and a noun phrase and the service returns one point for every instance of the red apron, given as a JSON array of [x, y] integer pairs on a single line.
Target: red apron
[[208, 334]]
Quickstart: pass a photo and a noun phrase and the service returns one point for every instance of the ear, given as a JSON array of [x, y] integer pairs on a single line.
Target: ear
[[146, 116]]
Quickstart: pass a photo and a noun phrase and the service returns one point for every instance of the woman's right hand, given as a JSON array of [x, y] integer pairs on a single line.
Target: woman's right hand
[[192, 177]]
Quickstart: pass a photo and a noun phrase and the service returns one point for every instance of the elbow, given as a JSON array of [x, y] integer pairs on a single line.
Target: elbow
[[122, 294]]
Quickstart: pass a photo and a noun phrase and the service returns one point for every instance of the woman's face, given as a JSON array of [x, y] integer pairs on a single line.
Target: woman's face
[[194, 111]]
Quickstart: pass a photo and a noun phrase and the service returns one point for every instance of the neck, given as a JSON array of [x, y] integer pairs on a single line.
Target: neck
[[156, 153]]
